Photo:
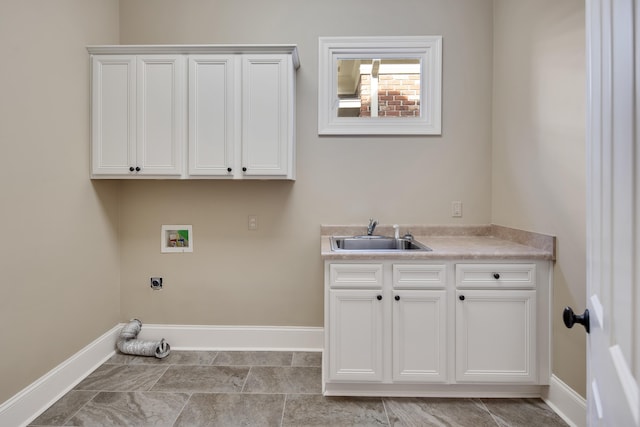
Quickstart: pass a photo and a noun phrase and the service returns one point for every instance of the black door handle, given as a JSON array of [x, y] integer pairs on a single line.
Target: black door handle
[[570, 318]]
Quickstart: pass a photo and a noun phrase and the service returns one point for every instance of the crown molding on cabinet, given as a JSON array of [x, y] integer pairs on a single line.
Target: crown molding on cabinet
[[290, 49]]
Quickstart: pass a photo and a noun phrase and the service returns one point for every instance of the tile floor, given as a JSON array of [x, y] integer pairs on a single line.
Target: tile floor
[[197, 388]]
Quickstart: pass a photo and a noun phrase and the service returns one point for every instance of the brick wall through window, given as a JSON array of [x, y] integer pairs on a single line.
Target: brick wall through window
[[398, 95]]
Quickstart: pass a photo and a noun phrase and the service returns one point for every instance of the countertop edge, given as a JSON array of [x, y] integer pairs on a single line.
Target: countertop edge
[[476, 242]]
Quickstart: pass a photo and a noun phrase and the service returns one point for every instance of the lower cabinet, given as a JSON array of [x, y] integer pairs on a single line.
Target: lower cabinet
[[357, 335], [363, 323], [406, 328]]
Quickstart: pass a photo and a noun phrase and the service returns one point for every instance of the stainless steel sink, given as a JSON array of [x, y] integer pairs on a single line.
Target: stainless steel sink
[[375, 243]]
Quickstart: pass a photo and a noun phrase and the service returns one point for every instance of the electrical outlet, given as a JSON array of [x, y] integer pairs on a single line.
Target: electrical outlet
[[456, 209], [252, 223], [156, 283]]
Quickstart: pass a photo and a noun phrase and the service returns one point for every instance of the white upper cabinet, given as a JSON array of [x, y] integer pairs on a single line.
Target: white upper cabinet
[[267, 131], [113, 114], [160, 115], [205, 111], [137, 116], [212, 115]]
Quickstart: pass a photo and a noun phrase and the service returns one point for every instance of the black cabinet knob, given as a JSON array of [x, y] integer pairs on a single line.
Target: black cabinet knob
[[137, 168], [397, 297], [570, 318], [496, 276], [229, 169], [131, 169], [244, 169], [379, 297], [461, 297]]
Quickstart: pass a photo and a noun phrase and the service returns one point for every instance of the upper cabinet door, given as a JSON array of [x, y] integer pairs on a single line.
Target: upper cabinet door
[[212, 115], [160, 114], [113, 102], [268, 128]]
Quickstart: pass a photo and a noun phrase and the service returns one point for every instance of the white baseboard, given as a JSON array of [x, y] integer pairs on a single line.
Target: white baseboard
[[566, 403], [29, 403], [263, 338], [25, 406]]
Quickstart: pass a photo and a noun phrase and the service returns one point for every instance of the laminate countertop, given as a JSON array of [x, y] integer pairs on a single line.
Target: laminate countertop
[[468, 242]]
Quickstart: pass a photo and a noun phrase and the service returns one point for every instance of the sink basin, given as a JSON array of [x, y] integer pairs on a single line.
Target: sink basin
[[375, 243]]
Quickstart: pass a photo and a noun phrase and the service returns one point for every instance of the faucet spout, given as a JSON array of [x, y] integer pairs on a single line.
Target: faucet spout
[[371, 227]]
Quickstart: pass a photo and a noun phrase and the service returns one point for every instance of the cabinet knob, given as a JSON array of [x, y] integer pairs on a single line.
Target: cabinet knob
[[397, 297], [496, 276], [570, 318], [379, 297], [229, 169], [131, 169], [461, 297], [137, 168], [244, 169]]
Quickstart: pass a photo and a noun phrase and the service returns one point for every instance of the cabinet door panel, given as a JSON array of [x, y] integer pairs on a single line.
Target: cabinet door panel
[[496, 336], [113, 114], [265, 114], [211, 115], [355, 331], [419, 336], [160, 114]]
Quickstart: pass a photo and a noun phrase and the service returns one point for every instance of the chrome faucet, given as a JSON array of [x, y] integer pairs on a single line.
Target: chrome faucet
[[372, 226]]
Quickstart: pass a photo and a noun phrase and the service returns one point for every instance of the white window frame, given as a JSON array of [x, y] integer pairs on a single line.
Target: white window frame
[[427, 48]]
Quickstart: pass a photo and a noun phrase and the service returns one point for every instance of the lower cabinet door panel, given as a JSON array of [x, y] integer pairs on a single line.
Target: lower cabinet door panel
[[355, 331], [419, 336], [496, 336]]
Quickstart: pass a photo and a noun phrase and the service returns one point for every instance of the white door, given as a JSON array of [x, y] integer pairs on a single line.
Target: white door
[[613, 213]]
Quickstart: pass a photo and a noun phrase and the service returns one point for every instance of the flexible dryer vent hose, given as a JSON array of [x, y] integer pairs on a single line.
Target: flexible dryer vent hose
[[128, 344]]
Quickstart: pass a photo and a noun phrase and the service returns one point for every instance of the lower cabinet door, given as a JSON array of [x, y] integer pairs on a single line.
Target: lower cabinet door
[[355, 335], [496, 336], [419, 336]]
